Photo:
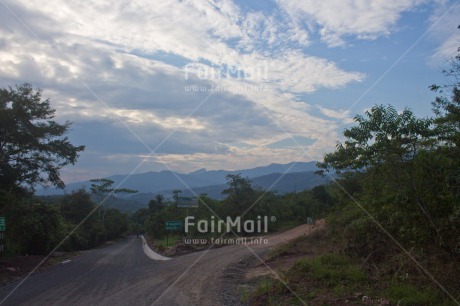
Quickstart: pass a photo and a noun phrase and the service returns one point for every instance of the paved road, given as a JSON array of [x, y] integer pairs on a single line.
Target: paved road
[[121, 274]]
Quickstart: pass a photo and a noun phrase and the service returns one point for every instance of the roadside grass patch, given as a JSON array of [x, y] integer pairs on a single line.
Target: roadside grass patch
[[167, 241], [281, 251], [407, 294], [333, 271], [317, 242], [269, 291], [325, 276], [316, 280]]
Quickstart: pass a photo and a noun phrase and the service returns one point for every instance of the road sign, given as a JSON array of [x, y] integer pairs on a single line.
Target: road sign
[[173, 225], [2, 224], [187, 202]]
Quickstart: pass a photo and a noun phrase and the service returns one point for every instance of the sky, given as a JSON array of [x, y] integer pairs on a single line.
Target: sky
[[184, 85]]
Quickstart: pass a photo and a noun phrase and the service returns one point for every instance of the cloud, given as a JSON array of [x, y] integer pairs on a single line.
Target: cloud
[[108, 66], [336, 19], [444, 23], [340, 114]]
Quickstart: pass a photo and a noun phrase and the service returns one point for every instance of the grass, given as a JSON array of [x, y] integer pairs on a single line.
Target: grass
[[408, 294], [318, 242], [331, 270], [168, 241], [325, 276], [322, 275]]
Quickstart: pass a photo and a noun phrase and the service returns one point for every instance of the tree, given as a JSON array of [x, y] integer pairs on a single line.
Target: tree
[[447, 109], [238, 186], [76, 206], [385, 145], [157, 204], [102, 188], [382, 135], [447, 128], [33, 147], [159, 198], [176, 195]]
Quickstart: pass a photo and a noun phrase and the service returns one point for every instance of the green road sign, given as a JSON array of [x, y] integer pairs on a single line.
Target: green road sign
[[2, 224], [173, 225]]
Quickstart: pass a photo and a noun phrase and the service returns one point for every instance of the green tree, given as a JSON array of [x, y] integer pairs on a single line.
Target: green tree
[[157, 204], [447, 108], [39, 229], [102, 189], [33, 147], [385, 146], [382, 135], [176, 195], [76, 206], [237, 186]]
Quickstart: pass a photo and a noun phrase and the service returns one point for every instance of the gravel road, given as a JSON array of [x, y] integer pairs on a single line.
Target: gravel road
[[121, 274]]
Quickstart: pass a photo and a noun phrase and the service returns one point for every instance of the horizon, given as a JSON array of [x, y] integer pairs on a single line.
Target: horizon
[[186, 173]]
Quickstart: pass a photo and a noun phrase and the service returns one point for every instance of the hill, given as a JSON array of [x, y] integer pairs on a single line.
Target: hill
[[157, 182]]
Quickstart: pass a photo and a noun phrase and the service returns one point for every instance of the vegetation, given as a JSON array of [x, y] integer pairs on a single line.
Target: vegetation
[[33, 148], [242, 200], [396, 212]]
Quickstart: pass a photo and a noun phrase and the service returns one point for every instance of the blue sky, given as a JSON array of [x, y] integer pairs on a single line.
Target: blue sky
[[183, 85]]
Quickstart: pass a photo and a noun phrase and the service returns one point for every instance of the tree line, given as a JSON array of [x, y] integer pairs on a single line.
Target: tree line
[[397, 199], [242, 200], [33, 149]]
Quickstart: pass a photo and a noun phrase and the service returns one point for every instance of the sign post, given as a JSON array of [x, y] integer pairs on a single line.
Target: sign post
[[172, 226]]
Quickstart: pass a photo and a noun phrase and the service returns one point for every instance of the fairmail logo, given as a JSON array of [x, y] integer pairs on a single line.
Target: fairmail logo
[[260, 225]]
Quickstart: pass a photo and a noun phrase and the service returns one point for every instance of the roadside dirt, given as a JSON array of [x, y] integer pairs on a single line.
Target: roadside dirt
[[285, 260], [17, 267]]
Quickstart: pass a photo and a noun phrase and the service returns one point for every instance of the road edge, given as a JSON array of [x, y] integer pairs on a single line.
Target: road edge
[[150, 253]]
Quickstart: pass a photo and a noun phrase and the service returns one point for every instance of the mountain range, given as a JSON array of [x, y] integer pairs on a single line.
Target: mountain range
[[282, 178]]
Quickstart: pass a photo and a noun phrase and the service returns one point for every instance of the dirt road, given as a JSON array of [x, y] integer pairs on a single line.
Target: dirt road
[[121, 274]]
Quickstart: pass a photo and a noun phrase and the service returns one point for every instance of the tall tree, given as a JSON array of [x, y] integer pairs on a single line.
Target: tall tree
[[384, 145], [102, 188], [382, 135], [237, 185], [33, 147], [447, 108]]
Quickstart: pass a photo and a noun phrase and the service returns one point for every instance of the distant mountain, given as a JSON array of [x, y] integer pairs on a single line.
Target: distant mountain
[[218, 176], [158, 182], [277, 182], [291, 182]]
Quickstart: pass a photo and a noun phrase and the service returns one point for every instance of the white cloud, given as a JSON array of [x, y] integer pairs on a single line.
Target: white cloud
[[338, 18], [343, 115], [114, 47], [445, 22]]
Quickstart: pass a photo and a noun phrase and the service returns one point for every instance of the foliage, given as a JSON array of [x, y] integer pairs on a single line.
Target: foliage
[[102, 190], [103, 187], [242, 201], [37, 227], [33, 147], [381, 136], [399, 192]]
